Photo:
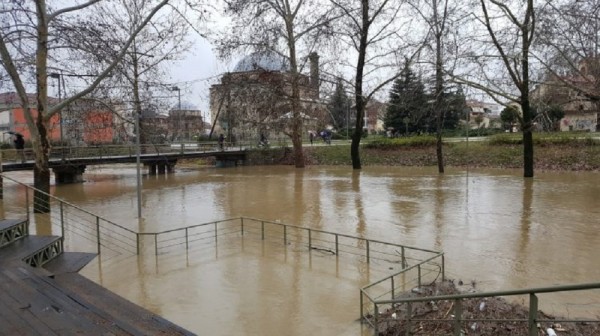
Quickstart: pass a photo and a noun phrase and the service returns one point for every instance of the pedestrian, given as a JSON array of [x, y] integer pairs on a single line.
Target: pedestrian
[[221, 142], [311, 136], [20, 146]]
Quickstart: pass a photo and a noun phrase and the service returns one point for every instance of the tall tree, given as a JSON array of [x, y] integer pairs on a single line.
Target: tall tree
[[373, 29], [504, 66], [408, 108], [289, 27], [339, 107], [31, 43]]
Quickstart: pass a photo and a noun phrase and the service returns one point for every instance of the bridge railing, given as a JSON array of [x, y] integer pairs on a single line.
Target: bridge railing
[[81, 230]]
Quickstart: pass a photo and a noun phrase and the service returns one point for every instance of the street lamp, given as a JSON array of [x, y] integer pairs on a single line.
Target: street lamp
[[179, 126], [57, 76]]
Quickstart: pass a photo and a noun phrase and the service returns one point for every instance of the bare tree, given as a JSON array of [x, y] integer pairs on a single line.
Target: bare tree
[[441, 17], [372, 28], [569, 49], [288, 27], [28, 41], [501, 63]]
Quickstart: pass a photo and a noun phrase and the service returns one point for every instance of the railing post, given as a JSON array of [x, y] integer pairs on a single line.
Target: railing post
[[368, 252], [376, 319], [186, 239], [457, 317], [242, 225], [155, 244], [216, 230], [262, 230], [62, 221], [362, 314], [309, 239], [533, 311], [403, 257], [98, 232], [336, 245], [443, 268], [393, 286], [182, 149], [284, 234], [27, 203], [408, 318], [419, 274], [137, 243]]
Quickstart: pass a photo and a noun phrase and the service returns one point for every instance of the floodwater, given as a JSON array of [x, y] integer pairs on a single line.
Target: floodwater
[[496, 229]]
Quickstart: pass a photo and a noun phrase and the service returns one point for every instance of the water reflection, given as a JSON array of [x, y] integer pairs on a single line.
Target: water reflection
[[494, 226]]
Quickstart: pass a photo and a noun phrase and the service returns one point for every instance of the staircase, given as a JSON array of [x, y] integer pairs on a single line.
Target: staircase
[[41, 292]]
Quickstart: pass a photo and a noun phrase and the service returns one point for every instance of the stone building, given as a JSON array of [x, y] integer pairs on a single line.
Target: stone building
[[255, 98]]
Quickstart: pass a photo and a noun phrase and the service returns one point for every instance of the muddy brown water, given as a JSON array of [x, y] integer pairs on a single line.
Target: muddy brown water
[[496, 229]]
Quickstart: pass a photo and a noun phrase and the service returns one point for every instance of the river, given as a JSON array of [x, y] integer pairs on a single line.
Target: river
[[497, 229]]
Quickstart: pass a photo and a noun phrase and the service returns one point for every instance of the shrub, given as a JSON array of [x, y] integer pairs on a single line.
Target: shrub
[[391, 143]]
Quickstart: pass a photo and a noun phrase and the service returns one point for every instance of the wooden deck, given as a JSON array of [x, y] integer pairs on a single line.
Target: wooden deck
[[58, 301]]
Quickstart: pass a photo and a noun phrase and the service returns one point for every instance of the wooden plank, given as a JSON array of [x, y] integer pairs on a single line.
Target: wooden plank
[[146, 321], [8, 223], [69, 262], [25, 247]]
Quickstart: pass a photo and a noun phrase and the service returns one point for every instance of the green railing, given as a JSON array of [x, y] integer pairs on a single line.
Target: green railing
[[400, 313], [78, 227]]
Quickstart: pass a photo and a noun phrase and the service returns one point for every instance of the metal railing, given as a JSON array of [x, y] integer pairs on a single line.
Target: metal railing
[[399, 313], [77, 227]]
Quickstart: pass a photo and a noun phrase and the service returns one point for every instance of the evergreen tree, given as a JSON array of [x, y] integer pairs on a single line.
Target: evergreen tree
[[339, 107], [408, 109], [456, 103]]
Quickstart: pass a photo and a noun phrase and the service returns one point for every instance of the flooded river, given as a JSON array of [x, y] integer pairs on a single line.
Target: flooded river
[[495, 228]]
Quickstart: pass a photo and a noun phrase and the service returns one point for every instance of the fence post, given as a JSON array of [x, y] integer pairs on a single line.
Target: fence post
[[403, 257], [533, 309], [393, 286], [443, 268], [262, 229], [27, 204], [137, 243], [242, 225], [98, 232], [62, 222], [408, 317], [376, 319], [419, 274], [309, 239], [155, 244], [368, 252], [284, 234], [216, 223], [457, 317], [186, 239], [362, 314], [336, 245]]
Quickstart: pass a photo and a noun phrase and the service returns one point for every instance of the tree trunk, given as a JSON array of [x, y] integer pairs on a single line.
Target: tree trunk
[[439, 88], [296, 115], [360, 101], [525, 105]]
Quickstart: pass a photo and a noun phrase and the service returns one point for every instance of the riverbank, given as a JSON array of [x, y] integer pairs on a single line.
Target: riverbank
[[576, 156]]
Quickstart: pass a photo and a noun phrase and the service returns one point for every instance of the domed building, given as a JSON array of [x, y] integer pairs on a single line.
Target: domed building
[[255, 98]]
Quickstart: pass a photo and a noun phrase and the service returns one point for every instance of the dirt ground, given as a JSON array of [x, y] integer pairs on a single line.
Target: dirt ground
[[473, 309]]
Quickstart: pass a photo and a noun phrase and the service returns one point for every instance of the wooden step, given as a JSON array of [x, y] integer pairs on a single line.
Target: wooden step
[[69, 262], [146, 322], [34, 250], [12, 230]]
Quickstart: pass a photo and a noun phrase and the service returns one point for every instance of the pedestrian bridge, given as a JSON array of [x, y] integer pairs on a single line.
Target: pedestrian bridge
[[69, 163]]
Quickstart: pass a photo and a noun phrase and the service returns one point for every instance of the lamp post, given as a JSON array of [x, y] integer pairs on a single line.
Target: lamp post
[[57, 76], [176, 88]]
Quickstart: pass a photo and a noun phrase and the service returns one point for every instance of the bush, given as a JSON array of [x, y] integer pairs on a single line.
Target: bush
[[545, 139], [391, 143]]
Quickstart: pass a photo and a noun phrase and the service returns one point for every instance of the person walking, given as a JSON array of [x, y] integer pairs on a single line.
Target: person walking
[[221, 142], [20, 146], [311, 136]]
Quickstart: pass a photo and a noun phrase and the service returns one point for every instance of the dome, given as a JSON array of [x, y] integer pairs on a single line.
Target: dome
[[265, 60]]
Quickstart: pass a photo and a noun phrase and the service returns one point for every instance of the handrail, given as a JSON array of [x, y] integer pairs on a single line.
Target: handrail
[[404, 316], [561, 288], [78, 216]]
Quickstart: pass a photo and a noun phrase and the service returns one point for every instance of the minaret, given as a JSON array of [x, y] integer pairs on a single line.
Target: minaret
[[314, 73]]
